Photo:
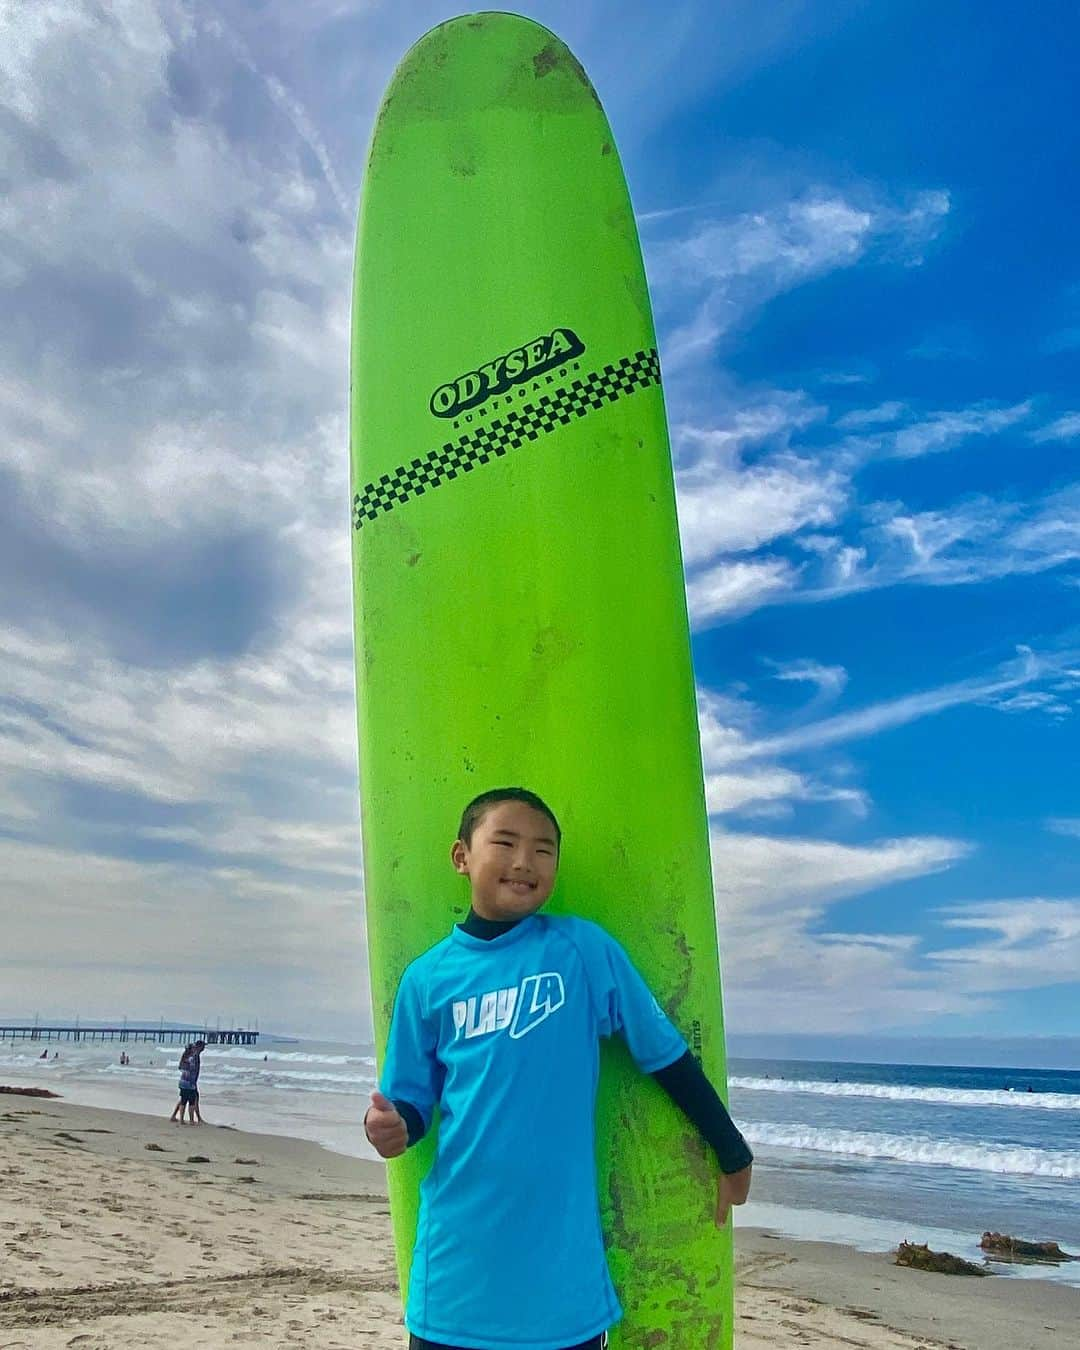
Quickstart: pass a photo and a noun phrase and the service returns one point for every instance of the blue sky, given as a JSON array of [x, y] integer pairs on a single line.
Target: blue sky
[[858, 221]]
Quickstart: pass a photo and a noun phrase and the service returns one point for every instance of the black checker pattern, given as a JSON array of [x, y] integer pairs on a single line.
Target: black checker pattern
[[501, 434]]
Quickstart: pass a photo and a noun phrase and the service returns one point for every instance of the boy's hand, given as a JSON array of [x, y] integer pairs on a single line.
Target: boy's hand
[[732, 1189], [385, 1127]]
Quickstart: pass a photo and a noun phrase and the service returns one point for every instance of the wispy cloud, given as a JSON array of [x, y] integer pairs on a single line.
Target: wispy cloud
[[1064, 428], [827, 679], [735, 265], [772, 898], [733, 588], [976, 540], [728, 506], [292, 107], [878, 415], [939, 431], [1067, 825], [879, 717], [1037, 943], [755, 789], [772, 791]]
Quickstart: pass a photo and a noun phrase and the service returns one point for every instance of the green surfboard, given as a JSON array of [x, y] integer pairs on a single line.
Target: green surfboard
[[519, 599]]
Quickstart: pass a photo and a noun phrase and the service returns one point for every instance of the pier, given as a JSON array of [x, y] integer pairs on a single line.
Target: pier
[[169, 1035]]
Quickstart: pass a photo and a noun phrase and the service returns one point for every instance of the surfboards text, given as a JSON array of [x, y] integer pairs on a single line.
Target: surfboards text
[[523, 363]]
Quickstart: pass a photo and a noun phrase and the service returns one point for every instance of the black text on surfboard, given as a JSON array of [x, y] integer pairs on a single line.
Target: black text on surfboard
[[523, 363]]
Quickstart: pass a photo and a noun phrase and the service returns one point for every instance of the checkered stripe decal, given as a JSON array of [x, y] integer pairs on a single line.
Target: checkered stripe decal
[[509, 432]]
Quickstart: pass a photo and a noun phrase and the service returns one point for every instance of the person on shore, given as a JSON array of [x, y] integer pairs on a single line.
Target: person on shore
[[189, 1084], [499, 1026], [185, 1089]]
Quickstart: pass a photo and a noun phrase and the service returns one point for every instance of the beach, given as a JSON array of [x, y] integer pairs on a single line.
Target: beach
[[114, 1235]]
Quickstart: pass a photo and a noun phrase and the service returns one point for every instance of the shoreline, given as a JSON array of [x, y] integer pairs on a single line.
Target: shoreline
[[110, 1227]]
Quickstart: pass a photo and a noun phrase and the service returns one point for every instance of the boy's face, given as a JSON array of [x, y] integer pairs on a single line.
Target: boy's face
[[511, 861]]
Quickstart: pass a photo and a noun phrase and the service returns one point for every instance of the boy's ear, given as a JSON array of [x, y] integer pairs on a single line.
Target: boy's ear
[[459, 856]]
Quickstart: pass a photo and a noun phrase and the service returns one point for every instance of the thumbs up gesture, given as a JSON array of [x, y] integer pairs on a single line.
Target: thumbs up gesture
[[385, 1127]]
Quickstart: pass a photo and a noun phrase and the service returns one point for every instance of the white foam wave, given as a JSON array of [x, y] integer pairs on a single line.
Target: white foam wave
[[268, 1077], [922, 1149], [286, 1057], [1037, 1101]]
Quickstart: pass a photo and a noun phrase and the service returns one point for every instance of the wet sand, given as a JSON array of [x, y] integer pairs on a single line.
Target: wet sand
[[112, 1236]]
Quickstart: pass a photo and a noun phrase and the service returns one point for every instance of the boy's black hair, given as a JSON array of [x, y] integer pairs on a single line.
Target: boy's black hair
[[478, 808]]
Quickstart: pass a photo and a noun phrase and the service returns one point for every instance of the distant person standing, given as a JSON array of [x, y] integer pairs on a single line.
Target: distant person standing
[[186, 1091], [190, 1064]]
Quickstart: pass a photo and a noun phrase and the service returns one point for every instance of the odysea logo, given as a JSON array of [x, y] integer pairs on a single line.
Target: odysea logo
[[519, 1008], [523, 363]]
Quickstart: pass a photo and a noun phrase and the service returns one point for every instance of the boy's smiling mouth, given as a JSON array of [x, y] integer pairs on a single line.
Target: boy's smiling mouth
[[520, 886]]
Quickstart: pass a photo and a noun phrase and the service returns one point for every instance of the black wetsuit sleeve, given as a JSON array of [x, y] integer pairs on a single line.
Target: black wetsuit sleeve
[[414, 1121], [685, 1083]]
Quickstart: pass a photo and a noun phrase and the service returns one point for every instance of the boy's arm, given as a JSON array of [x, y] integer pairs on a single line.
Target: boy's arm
[[685, 1083], [411, 1075], [628, 1006]]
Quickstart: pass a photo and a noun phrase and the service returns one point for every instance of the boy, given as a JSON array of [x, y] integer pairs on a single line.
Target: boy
[[498, 1024]]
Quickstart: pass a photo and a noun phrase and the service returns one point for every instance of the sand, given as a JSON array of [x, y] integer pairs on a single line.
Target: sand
[[112, 1236]]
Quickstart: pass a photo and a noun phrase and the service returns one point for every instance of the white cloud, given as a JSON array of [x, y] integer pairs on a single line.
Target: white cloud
[[878, 717], [1065, 825], [868, 417], [728, 791], [770, 791], [759, 875], [829, 680], [1064, 428], [797, 240], [742, 486], [733, 508], [726, 726], [932, 434], [772, 895], [726, 505], [732, 588], [976, 540], [1037, 944], [232, 932], [1032, 700], [180, 375], [735, 265], [982, 538]]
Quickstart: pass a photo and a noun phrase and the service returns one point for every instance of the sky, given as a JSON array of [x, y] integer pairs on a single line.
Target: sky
[[858, 222]]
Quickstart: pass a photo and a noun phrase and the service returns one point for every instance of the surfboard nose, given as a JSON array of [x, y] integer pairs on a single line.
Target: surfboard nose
[[487, 61]]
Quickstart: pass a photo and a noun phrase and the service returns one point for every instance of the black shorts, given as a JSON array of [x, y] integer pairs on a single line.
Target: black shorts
[[418, 1343], [189, 1095]]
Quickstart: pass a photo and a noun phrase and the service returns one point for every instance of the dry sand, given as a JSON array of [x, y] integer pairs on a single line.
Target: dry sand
[[112, 1238]]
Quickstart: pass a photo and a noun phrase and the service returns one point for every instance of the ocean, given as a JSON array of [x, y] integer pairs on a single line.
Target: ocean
[[862, 1154]]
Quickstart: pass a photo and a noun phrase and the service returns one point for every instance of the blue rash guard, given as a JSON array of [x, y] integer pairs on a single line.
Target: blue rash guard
[[503, 1035]]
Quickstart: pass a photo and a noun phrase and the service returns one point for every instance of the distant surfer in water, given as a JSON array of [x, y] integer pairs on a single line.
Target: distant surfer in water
[[498, 1025]]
